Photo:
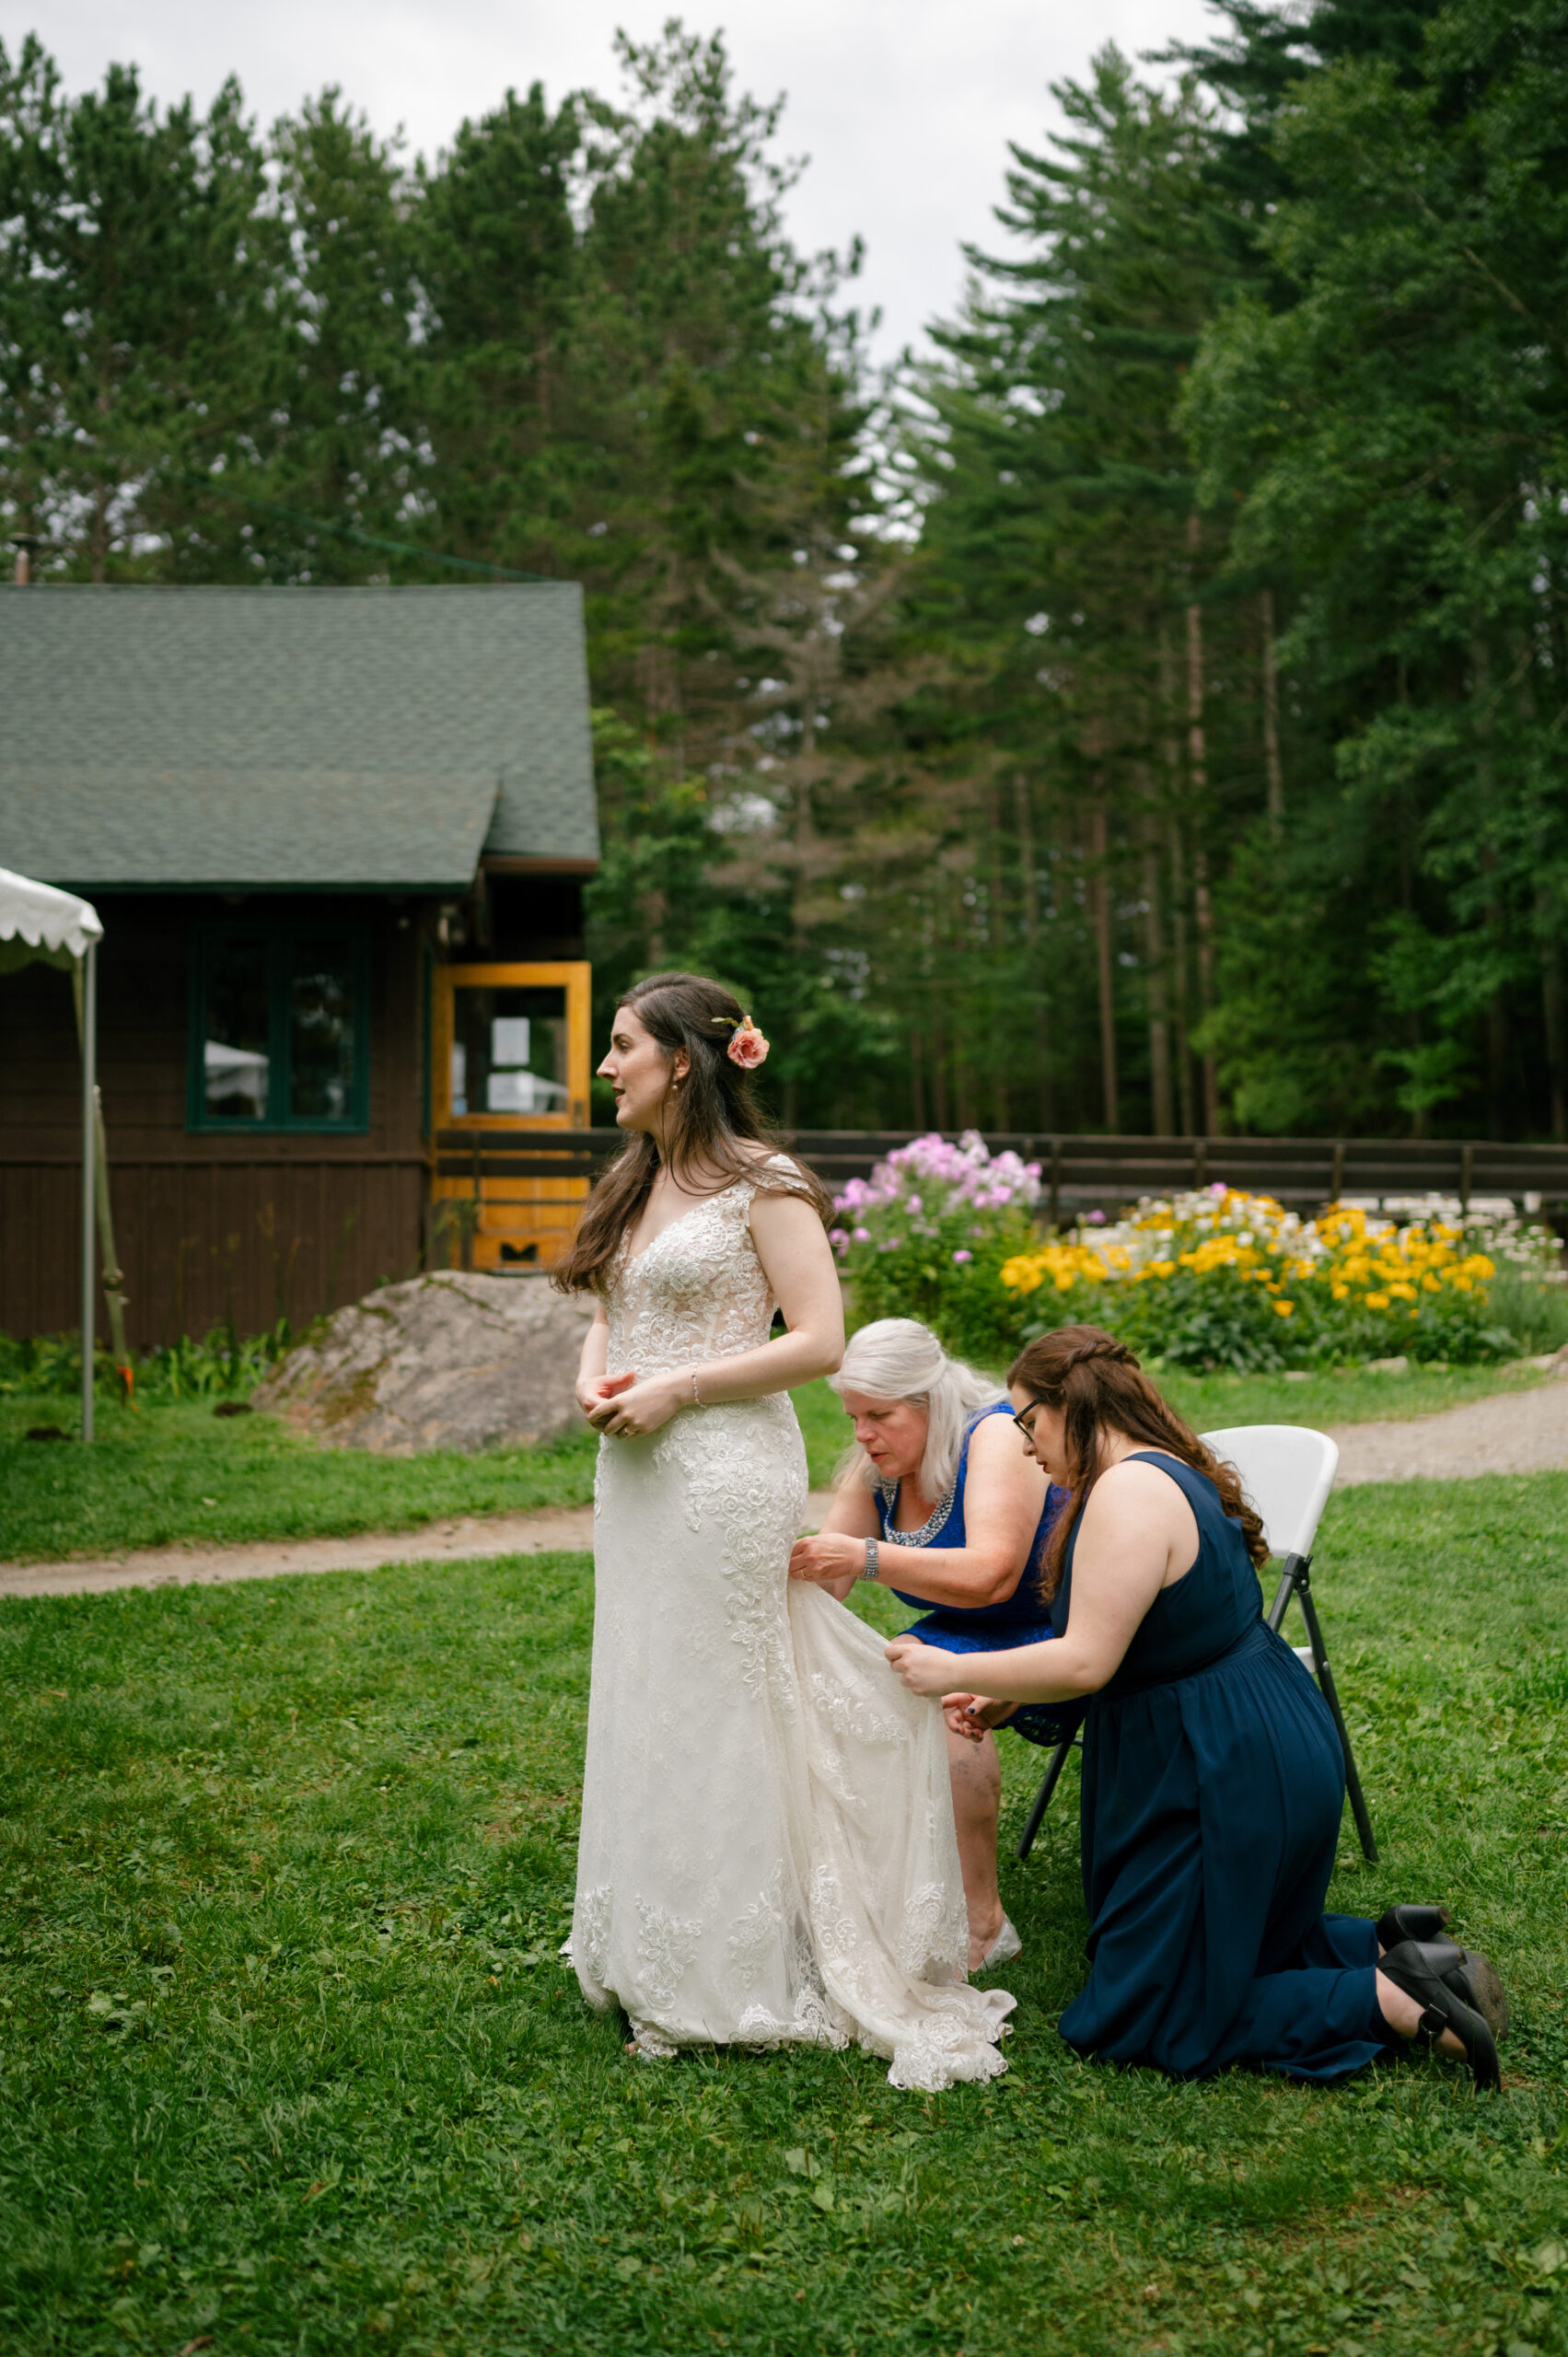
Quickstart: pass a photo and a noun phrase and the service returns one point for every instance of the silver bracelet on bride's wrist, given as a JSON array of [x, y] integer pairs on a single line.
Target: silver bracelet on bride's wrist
[[870, 1570]]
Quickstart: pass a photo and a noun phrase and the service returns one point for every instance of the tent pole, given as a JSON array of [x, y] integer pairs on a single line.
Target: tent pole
[[89, 1140]]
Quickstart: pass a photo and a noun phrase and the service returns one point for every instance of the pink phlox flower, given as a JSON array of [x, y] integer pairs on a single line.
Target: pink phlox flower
[[861, 1236], [962, 1255], [891, 1244], [1095, 1219]]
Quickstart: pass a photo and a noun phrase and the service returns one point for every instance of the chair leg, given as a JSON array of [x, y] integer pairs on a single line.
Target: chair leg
[[1282, 1594], [1330, 1696], [1042, 1798]]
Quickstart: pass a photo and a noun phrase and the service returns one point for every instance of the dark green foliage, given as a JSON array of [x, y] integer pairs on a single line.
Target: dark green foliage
[[966, 1305], [286, 2050], [1390, 409], [1146, 716], [1294, 741]]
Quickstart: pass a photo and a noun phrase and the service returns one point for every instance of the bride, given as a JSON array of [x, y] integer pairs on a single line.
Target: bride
[[767, 1851]]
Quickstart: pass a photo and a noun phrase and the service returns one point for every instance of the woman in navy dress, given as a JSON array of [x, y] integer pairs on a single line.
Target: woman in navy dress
[[1213, 1778], [937, 1502]]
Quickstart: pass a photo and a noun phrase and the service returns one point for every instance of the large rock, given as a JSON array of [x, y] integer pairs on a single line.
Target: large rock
[[451, 1361]]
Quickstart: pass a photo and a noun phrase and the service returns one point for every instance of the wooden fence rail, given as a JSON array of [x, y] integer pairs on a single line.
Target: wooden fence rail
[[1082, 1174]]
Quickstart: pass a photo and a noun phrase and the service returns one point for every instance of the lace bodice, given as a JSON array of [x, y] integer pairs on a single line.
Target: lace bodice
[[698, 1290]]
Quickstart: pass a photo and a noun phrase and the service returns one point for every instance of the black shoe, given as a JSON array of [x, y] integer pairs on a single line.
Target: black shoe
[[1398, 1923], [1427, 1971], [1472, 1977], [1475, 1980]]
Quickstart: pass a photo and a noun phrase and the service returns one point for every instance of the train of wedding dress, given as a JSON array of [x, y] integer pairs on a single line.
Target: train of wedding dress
[[767, 1852]]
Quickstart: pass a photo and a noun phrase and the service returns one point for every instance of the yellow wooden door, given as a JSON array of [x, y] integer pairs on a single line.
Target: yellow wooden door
[[510, 1055]]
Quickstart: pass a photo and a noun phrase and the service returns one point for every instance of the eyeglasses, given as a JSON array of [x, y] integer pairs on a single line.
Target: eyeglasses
[[1025, 1422]]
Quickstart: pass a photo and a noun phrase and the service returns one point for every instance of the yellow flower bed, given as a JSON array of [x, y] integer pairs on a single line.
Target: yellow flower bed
[[1347, 1283]]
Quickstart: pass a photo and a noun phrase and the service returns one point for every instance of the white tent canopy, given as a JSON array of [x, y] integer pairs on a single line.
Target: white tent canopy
[[37, 920]]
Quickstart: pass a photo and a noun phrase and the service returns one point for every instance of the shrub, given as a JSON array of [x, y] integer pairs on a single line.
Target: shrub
[[219, 1365], [928, 1236], [1222, 1278]]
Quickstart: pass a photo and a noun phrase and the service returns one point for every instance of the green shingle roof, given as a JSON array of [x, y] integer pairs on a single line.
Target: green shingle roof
[[381, 738]]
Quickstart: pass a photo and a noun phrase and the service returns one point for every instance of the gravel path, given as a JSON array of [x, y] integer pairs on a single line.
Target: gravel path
[[1512, 1433]]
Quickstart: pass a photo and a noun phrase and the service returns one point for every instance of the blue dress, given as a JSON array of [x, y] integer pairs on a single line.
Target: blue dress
[[1213, 1787], [1020, 1619]]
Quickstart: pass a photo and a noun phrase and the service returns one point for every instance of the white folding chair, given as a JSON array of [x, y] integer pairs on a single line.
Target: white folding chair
[[1287, 1471]]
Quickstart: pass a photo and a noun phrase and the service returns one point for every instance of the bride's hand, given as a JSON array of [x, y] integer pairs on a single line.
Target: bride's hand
[[642, 1410], [828, 1556], [925, 1669], [593, 1396]]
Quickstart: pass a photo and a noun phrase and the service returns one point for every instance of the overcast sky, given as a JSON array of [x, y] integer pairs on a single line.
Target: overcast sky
[[904, 107]]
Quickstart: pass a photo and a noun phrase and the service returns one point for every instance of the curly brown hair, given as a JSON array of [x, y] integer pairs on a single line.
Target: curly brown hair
[[1097, 1383]]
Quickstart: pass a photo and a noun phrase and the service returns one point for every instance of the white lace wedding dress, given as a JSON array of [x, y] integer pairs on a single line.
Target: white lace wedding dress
[[767, 1851]]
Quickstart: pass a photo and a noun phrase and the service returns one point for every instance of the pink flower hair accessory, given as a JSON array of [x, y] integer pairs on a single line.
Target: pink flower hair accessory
[[747, 1046]]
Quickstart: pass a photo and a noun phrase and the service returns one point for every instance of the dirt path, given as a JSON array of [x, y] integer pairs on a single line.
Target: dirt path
[[1512, 1433], [566, 1527]]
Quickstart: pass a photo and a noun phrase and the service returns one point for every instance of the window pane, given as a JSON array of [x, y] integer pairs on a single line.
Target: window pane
[[509, 1050], [321, 1030], [235, 1040]]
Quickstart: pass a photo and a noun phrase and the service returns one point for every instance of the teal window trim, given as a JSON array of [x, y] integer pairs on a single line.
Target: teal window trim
[[279, 937]]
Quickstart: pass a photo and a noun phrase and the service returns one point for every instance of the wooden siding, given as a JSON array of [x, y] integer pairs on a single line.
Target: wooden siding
[[198, 1241], [206, 1226]]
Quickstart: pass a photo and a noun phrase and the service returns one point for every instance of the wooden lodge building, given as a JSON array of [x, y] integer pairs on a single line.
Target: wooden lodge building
[[338, 840]]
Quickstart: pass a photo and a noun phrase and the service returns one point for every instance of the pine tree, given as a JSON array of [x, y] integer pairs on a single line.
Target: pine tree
[[1398, 432], [1063, 534], [134, 302]]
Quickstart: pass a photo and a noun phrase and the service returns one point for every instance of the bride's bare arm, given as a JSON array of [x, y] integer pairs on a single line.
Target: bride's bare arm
[[798, 1262], [593, 1386]]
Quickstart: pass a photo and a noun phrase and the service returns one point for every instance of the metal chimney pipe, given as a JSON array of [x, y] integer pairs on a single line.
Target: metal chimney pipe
[[23, 543]]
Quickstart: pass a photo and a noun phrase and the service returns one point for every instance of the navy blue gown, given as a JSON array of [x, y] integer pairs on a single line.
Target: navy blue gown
[[1212, 1793], [1020, 1619]]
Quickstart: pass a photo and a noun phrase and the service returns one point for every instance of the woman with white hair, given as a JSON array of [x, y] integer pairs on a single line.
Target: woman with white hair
[[938, 1502]]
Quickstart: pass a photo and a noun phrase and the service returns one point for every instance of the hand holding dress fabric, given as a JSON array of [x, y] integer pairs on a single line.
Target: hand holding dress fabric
[[827, 1557], [925, 1669]]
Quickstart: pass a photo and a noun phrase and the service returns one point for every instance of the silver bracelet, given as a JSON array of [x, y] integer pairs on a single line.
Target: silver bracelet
[[870, 1570]]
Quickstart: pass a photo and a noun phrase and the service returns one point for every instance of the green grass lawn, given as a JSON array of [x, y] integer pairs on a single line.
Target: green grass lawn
[[288, 2063], [167, 1474]]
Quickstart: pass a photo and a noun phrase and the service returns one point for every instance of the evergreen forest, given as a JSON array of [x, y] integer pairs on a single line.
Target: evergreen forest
[[1146, 712]]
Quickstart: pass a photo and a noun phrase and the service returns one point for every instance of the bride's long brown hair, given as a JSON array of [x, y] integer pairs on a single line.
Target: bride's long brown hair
[[1096, 1382], [711, 1120]]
